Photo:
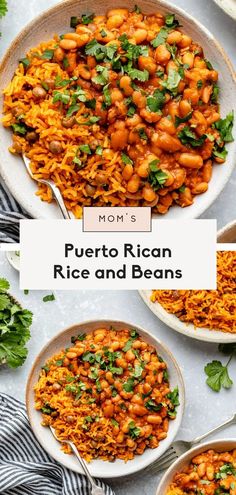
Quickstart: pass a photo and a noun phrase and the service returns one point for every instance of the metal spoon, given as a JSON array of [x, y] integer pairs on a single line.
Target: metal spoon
[[55, 190], [96, 490]]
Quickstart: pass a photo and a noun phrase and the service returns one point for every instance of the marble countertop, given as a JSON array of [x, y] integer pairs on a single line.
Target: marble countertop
[[204, 408], [206, 11]]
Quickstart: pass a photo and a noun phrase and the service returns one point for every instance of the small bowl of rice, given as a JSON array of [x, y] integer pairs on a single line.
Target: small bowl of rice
[[208, 315]]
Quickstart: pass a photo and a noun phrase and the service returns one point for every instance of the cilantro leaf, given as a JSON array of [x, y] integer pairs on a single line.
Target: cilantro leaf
[[188, 137], [102, 77], [172, 82], [218, 376], [156, 101], [87, 19], [141, 75], [151, 405], [72, 109], [134, 431], [3, 8], [107, 96], [25, 61], [14, 329], [85, 148], [47, 55], [19, 129], [128, 386], [225, 127], [181, 120], [142, 133], [160, 38], [171, 22], [4, 284], [215, 93], [126, 159], [156, 176]]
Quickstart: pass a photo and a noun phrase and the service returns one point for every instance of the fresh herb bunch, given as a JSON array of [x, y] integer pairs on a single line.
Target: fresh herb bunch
[[3, 8], [15, 325], [218, 375]]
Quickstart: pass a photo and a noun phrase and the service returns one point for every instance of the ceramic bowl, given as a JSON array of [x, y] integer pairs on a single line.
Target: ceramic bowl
[[57, 20], [227, 233], [101, 468], [184, 460], [179, 326]]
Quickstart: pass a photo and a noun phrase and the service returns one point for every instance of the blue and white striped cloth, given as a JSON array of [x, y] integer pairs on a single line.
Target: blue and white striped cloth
[[10, 215], [25, 468]]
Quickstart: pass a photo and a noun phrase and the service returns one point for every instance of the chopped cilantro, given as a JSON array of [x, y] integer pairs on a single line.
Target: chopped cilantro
[[160, 38], [126, 159], [181, 120], [19, 129], [156, 101], [225, 127], [85, 148], [128, 386], [87, 19], [134, 431], [47, 55], [156, 176], [142, 133], [187, 137]]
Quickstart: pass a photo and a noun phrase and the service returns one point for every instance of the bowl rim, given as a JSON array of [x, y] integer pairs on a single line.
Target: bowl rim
[[166, 5], [189, 330], [197, 448], [113, 322], [225, 229]]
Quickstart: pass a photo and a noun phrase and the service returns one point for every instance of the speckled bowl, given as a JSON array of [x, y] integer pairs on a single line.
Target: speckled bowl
[[57, 20], [183, 461], [101, 468]]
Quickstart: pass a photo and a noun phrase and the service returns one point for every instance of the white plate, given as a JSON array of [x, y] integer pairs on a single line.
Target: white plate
[[186, 329], [57, 20], [101, 468], [229, 6]]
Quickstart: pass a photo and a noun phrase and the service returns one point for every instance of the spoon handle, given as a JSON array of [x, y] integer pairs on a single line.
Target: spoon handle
[[96, 490], [58, 197], [230, 421]]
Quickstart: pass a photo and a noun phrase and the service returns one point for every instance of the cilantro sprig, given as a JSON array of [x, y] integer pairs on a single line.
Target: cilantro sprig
[[218, 373], [3, 8], [15, 325]]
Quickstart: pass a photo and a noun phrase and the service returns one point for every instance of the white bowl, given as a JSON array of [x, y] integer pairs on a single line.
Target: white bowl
[[183, 461], [227, 233], [101, 468], [57, 20], [187, 329]]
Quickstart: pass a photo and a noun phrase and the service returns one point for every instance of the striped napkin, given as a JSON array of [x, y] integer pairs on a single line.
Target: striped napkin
[[25, 468], [10, 215]]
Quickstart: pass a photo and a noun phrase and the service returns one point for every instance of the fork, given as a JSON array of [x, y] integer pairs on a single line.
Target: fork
[[95, 489], [55, 190], [181, 446]]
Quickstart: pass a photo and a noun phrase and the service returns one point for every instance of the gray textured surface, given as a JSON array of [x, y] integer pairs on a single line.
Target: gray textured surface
[[206, 11], [204, 408]]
